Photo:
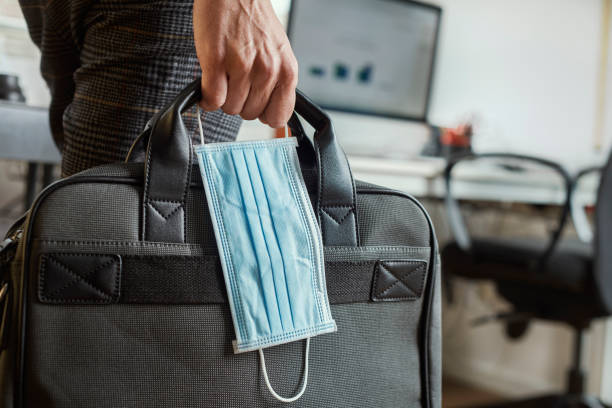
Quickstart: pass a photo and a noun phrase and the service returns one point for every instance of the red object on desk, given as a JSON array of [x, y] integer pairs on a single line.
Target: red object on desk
[[461, 136]]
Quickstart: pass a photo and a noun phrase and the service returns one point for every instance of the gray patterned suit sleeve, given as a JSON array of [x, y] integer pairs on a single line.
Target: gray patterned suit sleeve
[[110, 65]]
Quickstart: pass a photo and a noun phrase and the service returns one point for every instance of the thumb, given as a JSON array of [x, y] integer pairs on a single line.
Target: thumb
[[214, 89]]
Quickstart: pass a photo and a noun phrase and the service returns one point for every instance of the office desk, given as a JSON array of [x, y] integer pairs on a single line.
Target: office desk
[[424, 178], [25, 135]]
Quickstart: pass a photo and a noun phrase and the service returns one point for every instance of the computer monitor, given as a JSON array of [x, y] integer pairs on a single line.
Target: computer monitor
[[366, 56]]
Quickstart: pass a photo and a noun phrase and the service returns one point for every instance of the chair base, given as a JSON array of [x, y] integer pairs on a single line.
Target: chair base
[[553, 401]]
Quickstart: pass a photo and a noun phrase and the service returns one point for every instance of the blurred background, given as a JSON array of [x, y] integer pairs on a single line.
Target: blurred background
[[409, 85]]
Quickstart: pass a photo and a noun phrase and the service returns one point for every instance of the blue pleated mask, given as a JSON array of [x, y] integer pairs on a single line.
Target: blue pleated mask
[[269, 243]]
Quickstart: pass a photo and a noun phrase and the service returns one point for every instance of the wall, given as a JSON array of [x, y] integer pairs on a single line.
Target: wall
[[526, 69]]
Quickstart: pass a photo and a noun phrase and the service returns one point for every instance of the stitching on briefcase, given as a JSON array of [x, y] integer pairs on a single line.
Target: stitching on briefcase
[[104, 296], [410, 293]]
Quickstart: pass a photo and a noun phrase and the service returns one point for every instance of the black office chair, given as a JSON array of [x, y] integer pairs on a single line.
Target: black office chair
[[555, 279]]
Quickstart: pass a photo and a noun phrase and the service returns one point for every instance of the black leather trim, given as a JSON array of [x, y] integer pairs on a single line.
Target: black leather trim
[[395, 280], [164, 221], [168, 164], [66, 278], [305, 149], [336, 190]]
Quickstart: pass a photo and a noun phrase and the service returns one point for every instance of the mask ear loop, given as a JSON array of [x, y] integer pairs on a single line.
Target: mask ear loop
[[199, 115], [267, 380]]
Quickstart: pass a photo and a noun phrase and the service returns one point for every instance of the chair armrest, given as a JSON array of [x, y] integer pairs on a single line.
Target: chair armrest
[[579, 217], [456, 220]]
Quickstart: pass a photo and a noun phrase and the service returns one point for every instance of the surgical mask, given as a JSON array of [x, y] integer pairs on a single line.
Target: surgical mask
[[269, 244]]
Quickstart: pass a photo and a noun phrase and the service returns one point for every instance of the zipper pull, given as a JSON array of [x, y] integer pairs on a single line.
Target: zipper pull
[[10, 242]]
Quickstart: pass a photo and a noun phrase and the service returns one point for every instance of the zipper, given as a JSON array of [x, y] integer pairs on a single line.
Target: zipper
[[11, 240], [8, 246], [13, 236]]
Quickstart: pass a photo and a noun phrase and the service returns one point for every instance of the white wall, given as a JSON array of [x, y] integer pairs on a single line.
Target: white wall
[[527, 69]]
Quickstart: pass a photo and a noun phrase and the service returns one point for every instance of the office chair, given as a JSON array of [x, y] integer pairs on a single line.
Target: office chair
[[580, 219], [555, 279]]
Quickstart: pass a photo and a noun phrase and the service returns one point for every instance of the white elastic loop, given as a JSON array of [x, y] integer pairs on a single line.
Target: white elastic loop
[[199, 114], [286, 131], [267, 380]]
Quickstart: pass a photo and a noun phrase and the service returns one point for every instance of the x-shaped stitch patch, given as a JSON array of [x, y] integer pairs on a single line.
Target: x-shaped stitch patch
[[398, 280], [79, 278]]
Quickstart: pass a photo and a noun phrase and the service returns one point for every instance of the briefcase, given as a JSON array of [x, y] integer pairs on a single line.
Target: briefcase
[[113, 294]]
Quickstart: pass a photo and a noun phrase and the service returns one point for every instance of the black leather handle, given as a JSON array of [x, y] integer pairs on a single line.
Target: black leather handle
[[168, 162], [169, 159], [336, 189]]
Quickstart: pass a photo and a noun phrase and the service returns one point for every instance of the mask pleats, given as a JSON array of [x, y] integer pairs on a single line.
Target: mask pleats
[[270, 228], [223, 173], [292, 236], [258, 241]]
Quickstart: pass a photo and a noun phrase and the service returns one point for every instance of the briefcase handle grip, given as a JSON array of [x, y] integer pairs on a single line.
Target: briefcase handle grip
[[169, 160]]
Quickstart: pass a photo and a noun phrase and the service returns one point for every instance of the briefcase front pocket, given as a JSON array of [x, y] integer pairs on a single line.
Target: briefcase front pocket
[[169, 325]]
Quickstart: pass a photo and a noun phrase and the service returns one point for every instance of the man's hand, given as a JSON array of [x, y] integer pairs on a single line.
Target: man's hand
[[248, 67]]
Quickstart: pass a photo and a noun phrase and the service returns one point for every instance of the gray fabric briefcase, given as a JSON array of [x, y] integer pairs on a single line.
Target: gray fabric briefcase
[[112, 293]]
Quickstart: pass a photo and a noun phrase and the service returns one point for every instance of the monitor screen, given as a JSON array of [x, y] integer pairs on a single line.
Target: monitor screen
[[366, 56]]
